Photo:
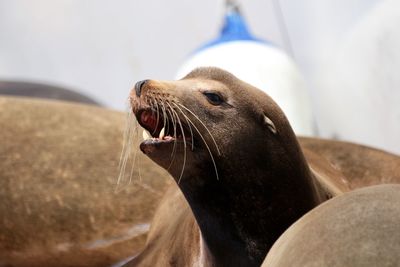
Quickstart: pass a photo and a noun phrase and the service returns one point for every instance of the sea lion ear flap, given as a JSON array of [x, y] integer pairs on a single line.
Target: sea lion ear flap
[[270, 124]]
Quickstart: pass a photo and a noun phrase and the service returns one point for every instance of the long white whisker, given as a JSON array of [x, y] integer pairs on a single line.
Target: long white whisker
[[125, 138], [139, 169], [127, 146], [132, 133], [164, 112], [190, 127], [205, 127], [184, 142], [205, 143], [154, 103], [134, 159], [173, 153]]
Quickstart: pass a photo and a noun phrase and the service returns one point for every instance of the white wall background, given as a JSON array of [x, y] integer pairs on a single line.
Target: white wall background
[[102, 47]]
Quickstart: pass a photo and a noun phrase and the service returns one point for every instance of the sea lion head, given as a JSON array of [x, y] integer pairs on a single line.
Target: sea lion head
[[208, 118]]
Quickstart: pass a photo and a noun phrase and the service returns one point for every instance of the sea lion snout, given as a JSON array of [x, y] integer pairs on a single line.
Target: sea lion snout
[[139, 86]]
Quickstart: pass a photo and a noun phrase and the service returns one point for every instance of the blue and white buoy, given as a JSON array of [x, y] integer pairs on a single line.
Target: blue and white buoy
[[259, 63]]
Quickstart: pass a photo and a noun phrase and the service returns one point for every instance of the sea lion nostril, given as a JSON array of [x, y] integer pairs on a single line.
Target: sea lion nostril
[[139, 86]]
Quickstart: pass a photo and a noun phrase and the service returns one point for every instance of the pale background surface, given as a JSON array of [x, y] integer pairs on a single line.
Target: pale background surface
[[102, 47]]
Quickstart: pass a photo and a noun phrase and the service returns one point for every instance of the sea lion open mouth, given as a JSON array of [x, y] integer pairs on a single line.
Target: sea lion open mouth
[[165, 125], [160, 128], [174, 130]]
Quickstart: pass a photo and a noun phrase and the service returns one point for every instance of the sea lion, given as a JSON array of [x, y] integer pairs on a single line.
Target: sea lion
[[359, 229], [237, 162]]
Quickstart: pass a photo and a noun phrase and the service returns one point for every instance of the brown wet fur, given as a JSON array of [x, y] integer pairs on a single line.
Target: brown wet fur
[[58, 173], [329, 171]]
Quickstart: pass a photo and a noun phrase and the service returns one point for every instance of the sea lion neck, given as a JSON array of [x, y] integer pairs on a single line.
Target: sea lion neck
[[241, 214]]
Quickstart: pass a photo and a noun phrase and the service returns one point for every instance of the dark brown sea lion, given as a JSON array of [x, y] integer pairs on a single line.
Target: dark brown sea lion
[[359, 229], [238, 164], [59, 202]]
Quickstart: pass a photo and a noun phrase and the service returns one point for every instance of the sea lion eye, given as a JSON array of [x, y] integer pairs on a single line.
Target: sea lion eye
[[214, 98]]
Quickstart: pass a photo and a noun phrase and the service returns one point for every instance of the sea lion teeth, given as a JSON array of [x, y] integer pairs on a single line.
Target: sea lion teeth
[[162, 133], [146, 135]]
